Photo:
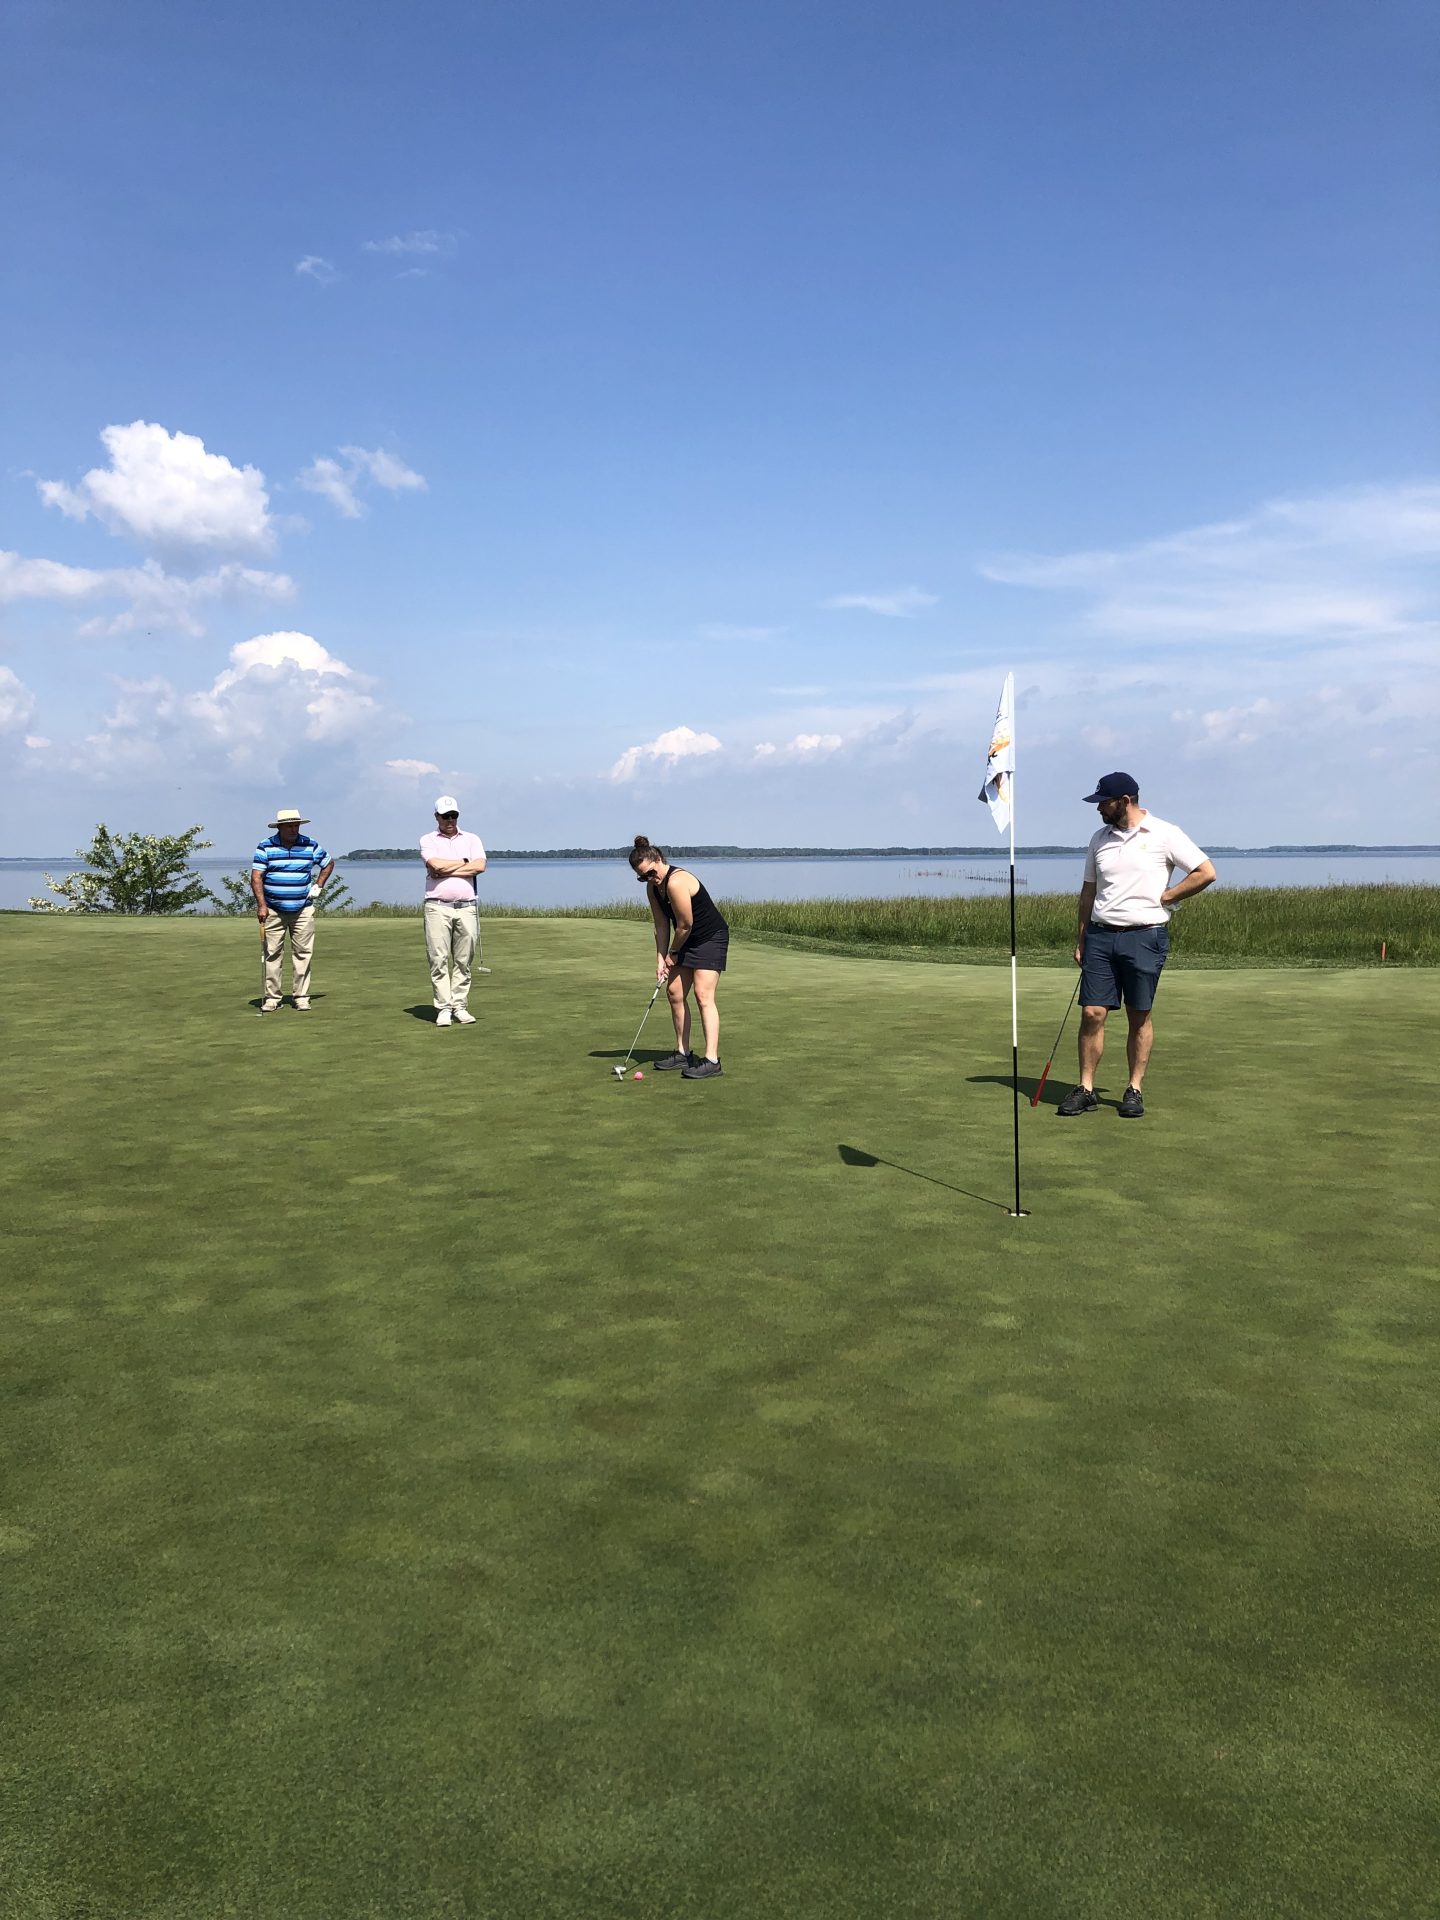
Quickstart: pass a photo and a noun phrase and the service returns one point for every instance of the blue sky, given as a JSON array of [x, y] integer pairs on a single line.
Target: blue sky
[[677, 419]]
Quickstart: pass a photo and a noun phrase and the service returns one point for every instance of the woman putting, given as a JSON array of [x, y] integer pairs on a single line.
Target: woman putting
[[691, 942]]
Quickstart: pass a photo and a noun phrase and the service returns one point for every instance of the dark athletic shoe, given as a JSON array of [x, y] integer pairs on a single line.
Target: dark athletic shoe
[[700, 1069], [1131, 1105], [1078, 1100], [671, 1060]]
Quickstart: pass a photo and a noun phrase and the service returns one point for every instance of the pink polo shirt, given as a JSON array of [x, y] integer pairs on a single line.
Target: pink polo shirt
[[450, 846]]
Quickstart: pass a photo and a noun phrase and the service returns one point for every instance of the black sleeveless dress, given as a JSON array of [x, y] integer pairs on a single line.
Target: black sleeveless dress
[[709, 941]]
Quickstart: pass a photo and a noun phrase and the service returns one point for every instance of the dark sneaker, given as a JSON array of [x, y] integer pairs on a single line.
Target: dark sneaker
[[1131, 1105], [1078, 1100], [671, 1060], [699, 1069]]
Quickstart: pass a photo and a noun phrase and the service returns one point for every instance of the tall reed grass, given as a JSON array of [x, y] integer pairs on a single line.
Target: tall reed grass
[[1279, 926]]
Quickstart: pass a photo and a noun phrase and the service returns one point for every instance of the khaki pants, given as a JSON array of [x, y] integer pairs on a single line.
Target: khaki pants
[[301, 929], [450, 943]]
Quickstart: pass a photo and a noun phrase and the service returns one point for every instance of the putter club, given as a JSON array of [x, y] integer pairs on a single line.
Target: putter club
[[480, 966], [260, 1010], [619, 1072], [1035, 1097]]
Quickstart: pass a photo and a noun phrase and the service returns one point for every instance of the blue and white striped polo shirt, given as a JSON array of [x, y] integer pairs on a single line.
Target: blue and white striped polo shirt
[[288, 871]]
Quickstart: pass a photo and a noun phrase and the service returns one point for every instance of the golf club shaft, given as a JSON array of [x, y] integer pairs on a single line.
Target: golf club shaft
[[643, 1018], [1035, 1097]]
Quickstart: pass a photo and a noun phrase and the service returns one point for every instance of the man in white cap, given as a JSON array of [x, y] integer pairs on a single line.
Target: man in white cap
[[286, 876], [452, 910]]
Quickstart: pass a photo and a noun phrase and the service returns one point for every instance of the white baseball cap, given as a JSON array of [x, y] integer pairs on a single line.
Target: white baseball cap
[[447, 803]]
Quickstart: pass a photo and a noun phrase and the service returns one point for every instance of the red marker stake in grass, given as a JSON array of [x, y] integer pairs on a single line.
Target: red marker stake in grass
[[1035, 1097]]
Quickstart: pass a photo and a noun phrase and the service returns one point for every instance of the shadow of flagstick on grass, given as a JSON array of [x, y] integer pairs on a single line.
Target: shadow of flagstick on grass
[[858, 1157]]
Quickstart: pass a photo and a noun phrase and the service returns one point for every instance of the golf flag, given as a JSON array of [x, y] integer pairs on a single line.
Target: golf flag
[[1000, 761], [998, 793]]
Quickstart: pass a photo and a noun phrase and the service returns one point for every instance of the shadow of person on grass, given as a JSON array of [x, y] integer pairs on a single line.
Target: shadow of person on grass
[[858, 1157], [642, 1056], [258, 999], [1051, 1094]]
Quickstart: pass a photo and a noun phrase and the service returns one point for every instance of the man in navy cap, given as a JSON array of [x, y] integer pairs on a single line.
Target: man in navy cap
[[1126, 900]]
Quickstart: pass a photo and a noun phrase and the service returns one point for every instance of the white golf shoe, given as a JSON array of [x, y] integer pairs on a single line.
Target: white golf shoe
[[444, 1017], [464, 1017]]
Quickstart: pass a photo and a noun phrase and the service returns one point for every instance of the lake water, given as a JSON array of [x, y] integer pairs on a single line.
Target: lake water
[[584, 883]]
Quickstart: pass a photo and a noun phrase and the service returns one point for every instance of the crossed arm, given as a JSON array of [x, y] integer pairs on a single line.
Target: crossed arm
[[454, 869]]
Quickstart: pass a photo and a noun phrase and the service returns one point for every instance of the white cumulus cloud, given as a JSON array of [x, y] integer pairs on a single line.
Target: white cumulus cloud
[[665, 750], [901, 603], [284, 702], [314, 266], [168, 493], [279, 650], [339, 481], [411, 769], [17, 703]]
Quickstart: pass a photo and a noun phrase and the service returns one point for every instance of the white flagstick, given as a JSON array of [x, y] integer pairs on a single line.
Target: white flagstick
[[998, 791], [1017, 1211]]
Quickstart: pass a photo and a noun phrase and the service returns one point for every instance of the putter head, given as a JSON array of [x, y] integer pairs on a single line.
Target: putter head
[[619, 1072]]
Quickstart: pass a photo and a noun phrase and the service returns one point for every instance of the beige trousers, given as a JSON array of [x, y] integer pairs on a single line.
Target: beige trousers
[[301, 929], [450, 943]]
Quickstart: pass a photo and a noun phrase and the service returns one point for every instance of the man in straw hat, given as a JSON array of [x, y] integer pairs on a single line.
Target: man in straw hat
[[286, 876]]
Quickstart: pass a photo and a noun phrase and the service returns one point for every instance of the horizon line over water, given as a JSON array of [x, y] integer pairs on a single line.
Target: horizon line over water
[[990, 850], [536, 882]]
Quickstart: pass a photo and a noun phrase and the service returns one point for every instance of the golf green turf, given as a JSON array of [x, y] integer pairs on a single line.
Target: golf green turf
[[443, 1481]]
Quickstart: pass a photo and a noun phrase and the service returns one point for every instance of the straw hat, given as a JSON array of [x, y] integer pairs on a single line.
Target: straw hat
[[289, 817]]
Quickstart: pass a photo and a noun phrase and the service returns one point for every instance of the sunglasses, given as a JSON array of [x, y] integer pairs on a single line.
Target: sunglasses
[[447, 816]]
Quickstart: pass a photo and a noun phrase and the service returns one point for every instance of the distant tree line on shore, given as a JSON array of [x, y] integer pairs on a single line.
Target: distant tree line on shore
[[848, 853], [152, 872], [678, 852]]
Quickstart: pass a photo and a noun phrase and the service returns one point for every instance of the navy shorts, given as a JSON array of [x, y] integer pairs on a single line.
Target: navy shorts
[[1122, 963]]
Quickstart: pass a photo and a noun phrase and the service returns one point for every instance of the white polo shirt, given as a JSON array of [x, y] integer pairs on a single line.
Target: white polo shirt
[[1131, 867]]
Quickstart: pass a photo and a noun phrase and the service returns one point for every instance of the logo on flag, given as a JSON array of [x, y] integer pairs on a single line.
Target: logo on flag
[[1000, 761]]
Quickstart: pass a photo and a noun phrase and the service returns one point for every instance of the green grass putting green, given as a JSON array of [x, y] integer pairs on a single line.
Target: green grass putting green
[[442, 1481]]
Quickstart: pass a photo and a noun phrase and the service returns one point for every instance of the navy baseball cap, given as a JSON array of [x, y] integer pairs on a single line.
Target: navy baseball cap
[[1114, 786]]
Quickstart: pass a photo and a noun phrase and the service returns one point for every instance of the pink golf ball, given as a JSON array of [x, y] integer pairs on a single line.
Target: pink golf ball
[[638, 1074]]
